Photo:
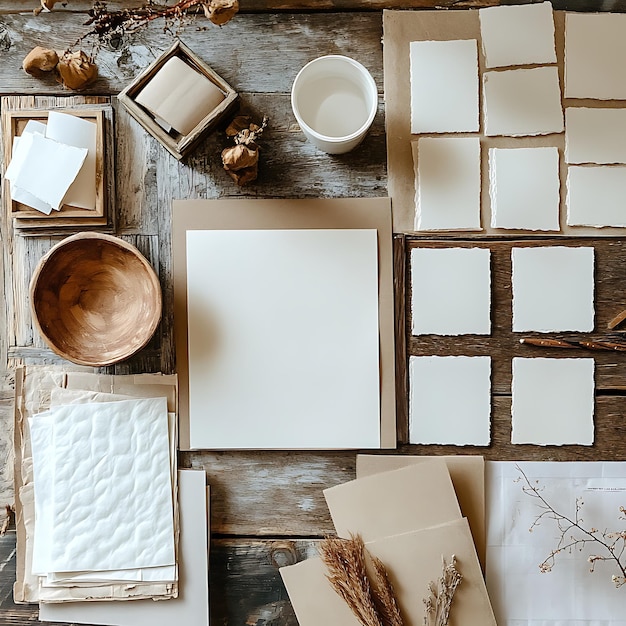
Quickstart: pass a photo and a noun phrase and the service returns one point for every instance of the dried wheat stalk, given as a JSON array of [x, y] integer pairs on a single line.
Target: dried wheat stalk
[[373, 605]]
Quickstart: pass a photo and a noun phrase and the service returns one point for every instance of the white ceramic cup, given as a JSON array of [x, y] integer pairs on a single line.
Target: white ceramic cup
[[334, 99]]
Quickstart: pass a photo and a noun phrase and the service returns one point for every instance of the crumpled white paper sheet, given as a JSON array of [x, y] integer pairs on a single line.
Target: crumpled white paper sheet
[[111, 485], [191, 608], [569, 595]]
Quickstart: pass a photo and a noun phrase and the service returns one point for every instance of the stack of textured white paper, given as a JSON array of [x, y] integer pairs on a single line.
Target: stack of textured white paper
[[104, 471], [54, 164]]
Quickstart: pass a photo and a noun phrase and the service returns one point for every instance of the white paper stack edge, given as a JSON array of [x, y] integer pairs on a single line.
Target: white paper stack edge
[[54, 164]]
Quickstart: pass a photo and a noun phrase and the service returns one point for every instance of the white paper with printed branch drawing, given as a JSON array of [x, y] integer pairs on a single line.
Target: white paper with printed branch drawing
[[569, 595]]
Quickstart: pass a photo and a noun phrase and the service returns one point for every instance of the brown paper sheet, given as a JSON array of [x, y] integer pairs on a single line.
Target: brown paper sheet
[[399, 29], [413, 561], [33, 386], [245, 214], [395, 502], [468, 478]]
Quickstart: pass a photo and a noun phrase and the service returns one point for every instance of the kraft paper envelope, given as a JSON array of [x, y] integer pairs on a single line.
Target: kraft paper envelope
[[468, 478], [395, 502], [246, 214], [192, 604], [413, 560]]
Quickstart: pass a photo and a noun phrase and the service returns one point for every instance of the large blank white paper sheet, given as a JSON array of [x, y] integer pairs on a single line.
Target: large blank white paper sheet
[[447, 183], [283, 339], [595, 135], [595, 196], [569, 595], [450, 400], [595, 48], [441, 278], [524, 187], [553, 289], [444, 86], [507, 33], [522, 102], [553, 401], [192, 604]]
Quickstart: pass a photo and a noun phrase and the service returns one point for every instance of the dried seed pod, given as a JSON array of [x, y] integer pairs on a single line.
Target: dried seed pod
[[76, 69], [40, 60], [239, 157], [238, 124], [246, 175], [220, 11]]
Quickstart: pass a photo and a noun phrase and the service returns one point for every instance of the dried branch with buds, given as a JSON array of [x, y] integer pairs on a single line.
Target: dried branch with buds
[[574, 536]]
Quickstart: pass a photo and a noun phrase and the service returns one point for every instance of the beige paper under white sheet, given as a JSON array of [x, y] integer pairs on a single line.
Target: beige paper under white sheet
[[413, 560], [595, 135], [468, 478], [180, 95], [192, 605], [394, 502]]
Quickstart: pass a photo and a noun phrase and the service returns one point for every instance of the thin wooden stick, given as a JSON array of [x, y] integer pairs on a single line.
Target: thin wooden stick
[[617, 320], [570, 343]]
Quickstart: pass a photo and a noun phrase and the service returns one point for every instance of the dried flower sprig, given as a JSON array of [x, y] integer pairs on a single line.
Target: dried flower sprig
[[110, 25], [241, 161], [574, 536], [439, 601], [373, 605]]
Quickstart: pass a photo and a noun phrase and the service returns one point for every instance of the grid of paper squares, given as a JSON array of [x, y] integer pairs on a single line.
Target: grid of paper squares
[[553, 289], [553, 401], [524, 188], [437, 416], [451, 291]]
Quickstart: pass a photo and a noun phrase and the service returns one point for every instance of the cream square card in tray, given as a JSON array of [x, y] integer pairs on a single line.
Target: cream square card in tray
[[444, 86], [518, 35], [440, 279], [522, 102], [439, 416], [552, 401], [284, 323], [595, 48], [553, 289], [524, 188]]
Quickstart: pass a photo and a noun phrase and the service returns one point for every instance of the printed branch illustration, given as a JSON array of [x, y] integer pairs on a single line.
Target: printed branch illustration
[[611, 545]]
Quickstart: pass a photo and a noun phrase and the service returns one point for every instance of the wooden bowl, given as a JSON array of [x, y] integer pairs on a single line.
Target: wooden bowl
[[95, 299]]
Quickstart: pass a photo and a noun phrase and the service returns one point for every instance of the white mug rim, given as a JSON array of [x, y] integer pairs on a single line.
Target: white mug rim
[[373, 108]]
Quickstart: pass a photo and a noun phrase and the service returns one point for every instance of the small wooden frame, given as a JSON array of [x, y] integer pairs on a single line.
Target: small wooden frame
[[13, 123], [177, 144]]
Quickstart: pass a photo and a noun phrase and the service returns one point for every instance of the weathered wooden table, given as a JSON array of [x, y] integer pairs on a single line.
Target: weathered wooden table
[[267, 507]]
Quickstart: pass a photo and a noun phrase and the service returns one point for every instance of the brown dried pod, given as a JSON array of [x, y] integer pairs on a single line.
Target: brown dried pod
[[220, 11], [245, 175], [239, 157], [76, 69], [40, 60], [238, 124]]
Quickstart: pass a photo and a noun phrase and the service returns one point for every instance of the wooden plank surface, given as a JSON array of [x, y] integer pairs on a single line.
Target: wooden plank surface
[[267, 508]]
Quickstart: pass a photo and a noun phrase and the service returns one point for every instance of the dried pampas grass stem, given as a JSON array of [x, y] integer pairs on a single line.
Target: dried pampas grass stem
[[372, 604]]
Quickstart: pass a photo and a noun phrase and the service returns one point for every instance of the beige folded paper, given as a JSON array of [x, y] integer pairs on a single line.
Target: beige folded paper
[[394, 502], [468, 478], [180, 96], [413, 560]]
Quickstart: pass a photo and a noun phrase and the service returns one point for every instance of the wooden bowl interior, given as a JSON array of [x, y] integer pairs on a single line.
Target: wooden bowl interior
[[96, 302]]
